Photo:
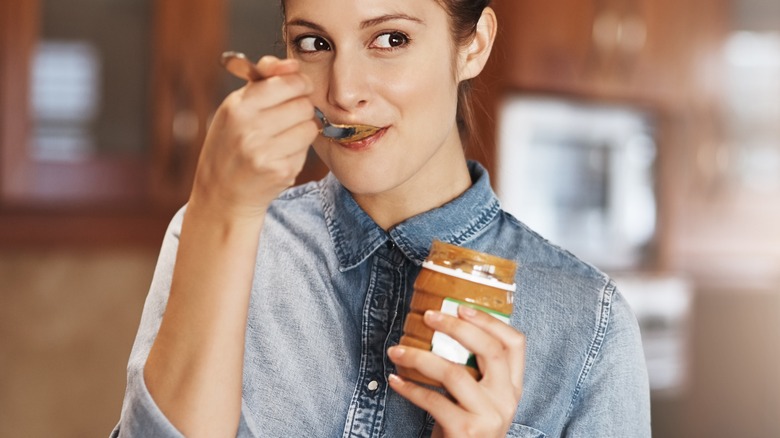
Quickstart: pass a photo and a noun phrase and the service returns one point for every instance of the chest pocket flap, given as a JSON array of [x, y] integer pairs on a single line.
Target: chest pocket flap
[[517, 430]]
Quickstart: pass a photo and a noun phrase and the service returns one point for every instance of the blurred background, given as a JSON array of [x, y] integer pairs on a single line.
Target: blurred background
[[644, 135]]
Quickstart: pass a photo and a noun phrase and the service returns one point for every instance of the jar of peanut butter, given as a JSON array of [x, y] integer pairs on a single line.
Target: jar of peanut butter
[[451, 277]]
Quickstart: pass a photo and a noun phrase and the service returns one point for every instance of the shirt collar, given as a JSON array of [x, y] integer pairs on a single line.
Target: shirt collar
[[356, 236]]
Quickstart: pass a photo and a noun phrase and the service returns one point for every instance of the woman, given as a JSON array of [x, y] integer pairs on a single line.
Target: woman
[[275, 312]]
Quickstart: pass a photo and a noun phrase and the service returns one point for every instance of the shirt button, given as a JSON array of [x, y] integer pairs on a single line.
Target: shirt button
[[373, 385]]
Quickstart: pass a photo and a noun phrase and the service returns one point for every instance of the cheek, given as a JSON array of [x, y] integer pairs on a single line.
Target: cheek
[[317, 72], [423, 85]]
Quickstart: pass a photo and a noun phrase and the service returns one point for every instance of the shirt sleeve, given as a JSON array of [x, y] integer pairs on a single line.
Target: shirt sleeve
[[141, 417], [613, 397]]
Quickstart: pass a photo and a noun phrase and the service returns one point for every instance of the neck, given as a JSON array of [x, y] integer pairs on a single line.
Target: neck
[[429, 188]]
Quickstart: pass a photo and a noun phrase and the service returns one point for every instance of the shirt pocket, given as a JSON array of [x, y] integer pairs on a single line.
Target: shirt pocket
[[517, 430]]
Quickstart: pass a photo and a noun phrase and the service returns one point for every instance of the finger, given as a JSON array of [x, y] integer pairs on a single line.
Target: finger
[[436, 404], [272, 66], [283, 158], [454, 377], [295, 140], [512, 340], [273, 121], [491, 355], [275, 90]]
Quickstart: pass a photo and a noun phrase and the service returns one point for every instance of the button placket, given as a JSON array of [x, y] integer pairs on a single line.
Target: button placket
[[367, 410]]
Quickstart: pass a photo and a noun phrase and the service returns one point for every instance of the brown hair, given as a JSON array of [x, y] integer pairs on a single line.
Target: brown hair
[[464, 16]]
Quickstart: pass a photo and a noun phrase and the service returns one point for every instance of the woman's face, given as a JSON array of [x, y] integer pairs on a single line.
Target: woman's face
[[386, 63]]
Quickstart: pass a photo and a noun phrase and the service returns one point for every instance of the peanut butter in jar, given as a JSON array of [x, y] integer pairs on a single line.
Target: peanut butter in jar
[[451, 277]]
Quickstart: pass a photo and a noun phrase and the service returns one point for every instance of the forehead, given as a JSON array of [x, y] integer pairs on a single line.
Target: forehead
[[347, 12]]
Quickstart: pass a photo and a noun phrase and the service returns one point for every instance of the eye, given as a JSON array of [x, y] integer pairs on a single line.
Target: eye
[[312, 44], [391, 40]]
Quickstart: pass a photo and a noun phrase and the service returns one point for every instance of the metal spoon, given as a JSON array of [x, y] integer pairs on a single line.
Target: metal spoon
[[240, 66]]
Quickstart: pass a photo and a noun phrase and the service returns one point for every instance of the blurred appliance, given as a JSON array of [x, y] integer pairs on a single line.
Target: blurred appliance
[[663, 305], [581, 175]]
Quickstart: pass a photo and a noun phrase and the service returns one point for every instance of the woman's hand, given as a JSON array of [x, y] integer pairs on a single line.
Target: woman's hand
[[483, 408], [257, 142]]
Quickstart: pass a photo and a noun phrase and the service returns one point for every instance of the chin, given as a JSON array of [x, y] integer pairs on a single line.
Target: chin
[[364, 173], [366, 181]]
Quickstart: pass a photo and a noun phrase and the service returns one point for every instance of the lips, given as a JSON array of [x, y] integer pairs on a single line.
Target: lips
[[364, 143]]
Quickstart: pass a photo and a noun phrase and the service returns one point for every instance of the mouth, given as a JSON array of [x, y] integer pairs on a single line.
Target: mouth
[[363, 143]]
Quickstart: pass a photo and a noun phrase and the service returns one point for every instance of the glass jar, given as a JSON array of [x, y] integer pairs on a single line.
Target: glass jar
[[451, 277]]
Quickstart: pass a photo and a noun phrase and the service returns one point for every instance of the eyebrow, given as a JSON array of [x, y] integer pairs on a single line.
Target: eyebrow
[[390, 17], [364, 25], [305, 23]]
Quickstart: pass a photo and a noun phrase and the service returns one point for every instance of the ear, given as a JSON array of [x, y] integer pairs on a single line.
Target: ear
[[473, 57]]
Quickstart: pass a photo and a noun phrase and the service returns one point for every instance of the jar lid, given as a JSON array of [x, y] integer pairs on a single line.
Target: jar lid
[[474, 264]]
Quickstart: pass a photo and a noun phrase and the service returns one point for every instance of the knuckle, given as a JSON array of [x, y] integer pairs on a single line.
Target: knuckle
[[517, 341], [474, 429], [245, 146], [494, 352], [282, 172], [277, 174], [448, 324], [492, 349], [257, 161], [509, 409], [229, 108], [429, 398], [266, 61], [496, 420], [454, 373], [293, 83]]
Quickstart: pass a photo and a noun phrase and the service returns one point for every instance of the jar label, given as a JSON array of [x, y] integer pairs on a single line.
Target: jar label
[[492, 282], [450, 349]]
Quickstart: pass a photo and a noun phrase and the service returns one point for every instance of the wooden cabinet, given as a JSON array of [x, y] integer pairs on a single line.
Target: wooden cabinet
[[79, 71], [144, 81], [607, 49]]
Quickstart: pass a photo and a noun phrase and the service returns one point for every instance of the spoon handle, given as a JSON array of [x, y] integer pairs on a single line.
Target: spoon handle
[[241, 67]]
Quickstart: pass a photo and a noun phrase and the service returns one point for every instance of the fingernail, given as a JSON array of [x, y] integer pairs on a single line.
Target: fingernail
[[467, 311], [396, 352], [433, 315], [392, 378]]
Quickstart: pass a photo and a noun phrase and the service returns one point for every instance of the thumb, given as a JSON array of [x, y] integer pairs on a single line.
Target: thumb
[[273, 66]]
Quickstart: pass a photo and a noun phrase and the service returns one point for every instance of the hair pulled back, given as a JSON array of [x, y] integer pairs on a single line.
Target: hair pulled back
[[464, 16]]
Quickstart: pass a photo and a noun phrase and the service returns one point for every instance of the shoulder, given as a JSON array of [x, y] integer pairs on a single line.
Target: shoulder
[[297, 204], [542, 263], [554, 284], [563, 303], [295, 223], [301, 193], [578, 325]]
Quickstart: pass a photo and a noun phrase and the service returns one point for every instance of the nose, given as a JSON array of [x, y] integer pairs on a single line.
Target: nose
[[348, 87]]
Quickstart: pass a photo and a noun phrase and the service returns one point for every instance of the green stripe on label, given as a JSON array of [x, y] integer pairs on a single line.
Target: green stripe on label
[[448, 348], [502, 316]]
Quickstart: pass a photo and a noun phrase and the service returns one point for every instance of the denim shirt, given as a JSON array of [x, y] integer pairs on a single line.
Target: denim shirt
[[330, 294]]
